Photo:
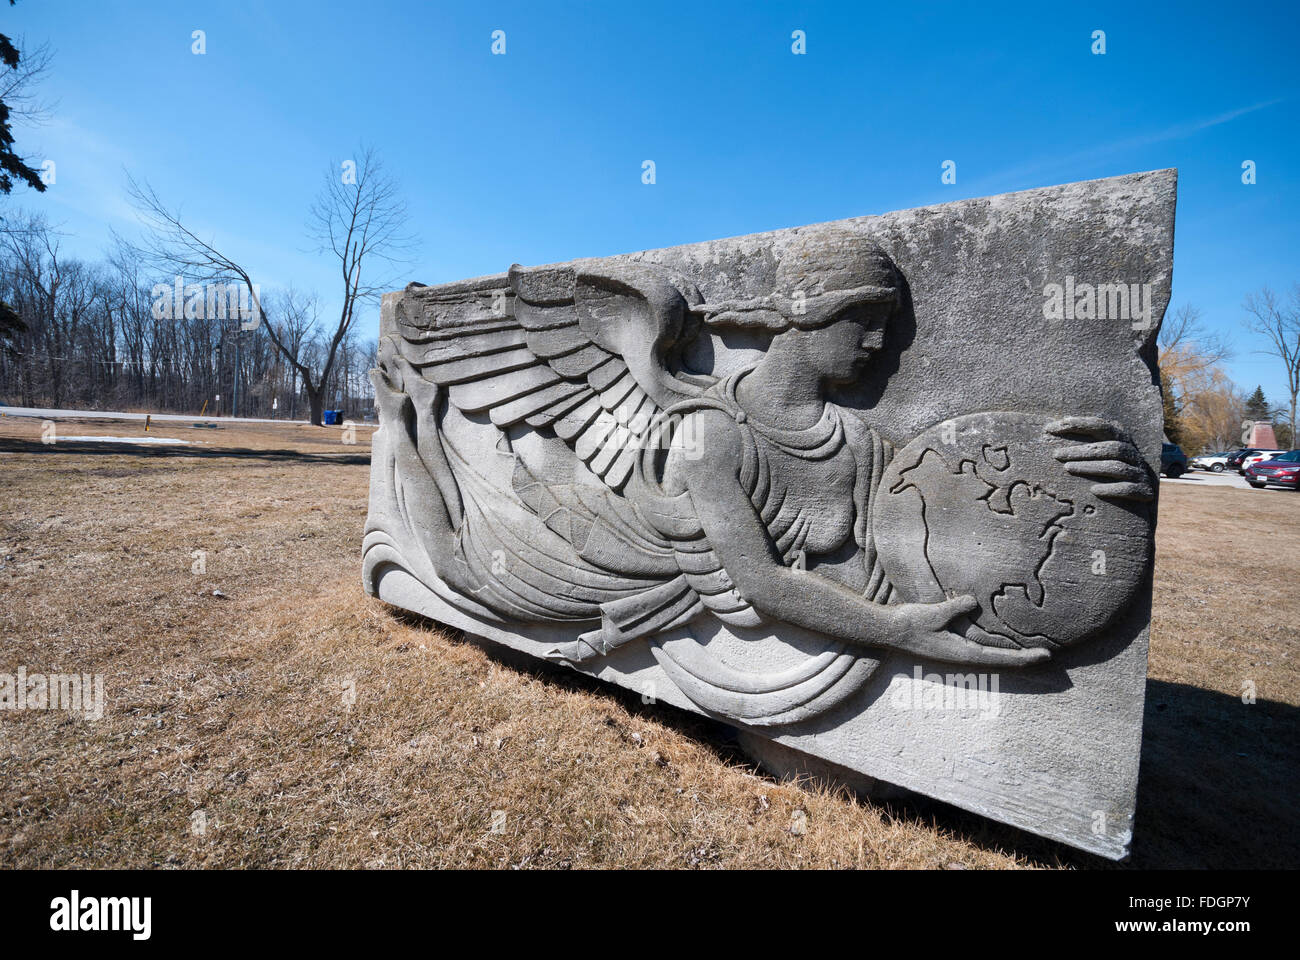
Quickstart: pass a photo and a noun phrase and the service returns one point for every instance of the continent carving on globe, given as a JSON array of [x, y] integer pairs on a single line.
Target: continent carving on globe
[[979, 505]]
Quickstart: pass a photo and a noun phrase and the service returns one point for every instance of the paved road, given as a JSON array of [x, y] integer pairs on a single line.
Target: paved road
[[48, 414], [1202, 478]]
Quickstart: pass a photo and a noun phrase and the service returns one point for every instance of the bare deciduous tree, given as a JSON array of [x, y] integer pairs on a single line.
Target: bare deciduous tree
[[1279, 323], [358, 219], [298, 313], [1211, 419], [1189, 354]]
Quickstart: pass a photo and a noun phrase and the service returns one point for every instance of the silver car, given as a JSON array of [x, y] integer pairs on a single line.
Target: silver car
[[1215, 462]]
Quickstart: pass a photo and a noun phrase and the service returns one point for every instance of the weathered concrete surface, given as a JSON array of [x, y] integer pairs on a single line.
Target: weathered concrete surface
[[879, 491]]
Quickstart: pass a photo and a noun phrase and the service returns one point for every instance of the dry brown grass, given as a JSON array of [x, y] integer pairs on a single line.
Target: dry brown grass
[[235, 705]]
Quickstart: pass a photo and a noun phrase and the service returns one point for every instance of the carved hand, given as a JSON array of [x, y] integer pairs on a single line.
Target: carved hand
[[389, 396], [1106, 455], [924, 629], [396, 379]]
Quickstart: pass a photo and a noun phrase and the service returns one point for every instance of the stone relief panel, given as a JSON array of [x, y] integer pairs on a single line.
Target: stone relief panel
[[702, 466]]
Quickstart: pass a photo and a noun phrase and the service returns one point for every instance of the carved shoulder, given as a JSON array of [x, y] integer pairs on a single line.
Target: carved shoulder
[[857, 434], [706, 443]]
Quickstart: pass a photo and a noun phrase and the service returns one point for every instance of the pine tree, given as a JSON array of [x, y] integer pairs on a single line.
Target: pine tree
[[12, 166], [11, 327], [1173, 425], [1257, 407]]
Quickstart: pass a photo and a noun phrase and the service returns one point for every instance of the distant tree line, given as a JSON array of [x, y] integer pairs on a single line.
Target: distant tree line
[[97, 334], [105, 334]]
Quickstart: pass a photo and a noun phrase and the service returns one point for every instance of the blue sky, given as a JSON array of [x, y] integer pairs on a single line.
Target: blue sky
[[536, 156]]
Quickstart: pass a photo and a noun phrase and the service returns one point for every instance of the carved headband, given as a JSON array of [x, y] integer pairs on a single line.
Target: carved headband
[[779, 312]]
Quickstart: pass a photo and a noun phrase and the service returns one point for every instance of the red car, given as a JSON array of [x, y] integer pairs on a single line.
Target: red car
[[1283, 470]]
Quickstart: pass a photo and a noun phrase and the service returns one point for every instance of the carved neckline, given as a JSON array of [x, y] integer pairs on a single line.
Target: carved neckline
[[829, 430]]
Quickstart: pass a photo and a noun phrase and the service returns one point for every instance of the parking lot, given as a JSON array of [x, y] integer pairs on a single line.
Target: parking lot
[[1228, 478]]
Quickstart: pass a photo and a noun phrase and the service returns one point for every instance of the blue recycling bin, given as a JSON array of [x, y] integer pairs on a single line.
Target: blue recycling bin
[[331, 418]]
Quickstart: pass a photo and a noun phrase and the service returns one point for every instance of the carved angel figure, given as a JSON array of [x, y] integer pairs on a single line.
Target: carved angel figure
[[664, 495]]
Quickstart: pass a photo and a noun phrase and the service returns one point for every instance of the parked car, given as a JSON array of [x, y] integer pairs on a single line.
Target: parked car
[[1234, 462], [1258, 457], [1214, 462], [1173, 462], [1283, 470]]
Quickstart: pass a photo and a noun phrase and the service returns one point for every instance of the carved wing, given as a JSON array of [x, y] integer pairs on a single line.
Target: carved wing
[[589, 355]]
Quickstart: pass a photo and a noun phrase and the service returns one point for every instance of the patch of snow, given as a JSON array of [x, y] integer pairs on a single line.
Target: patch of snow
[[126, 440]]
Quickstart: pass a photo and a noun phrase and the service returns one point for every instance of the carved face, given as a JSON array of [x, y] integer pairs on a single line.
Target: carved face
[[840, 350]]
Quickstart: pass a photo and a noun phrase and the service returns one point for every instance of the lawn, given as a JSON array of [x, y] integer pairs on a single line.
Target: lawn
[[261, 711]]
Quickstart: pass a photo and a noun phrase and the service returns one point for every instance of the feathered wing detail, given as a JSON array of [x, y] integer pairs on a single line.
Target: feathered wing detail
[[458, 527], [585, 354], [589, 357]]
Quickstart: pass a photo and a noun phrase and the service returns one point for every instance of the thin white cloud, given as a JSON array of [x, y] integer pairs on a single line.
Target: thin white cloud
[[1178, 131]]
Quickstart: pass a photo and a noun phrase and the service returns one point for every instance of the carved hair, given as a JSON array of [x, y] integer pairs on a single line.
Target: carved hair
[[858, 272]]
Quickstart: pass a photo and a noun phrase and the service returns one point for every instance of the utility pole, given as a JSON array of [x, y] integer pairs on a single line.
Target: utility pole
[[234, 393]]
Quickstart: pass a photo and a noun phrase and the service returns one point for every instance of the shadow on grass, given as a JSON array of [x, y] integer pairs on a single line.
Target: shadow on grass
[[1218, 783], [1216, 789], [164, 450]]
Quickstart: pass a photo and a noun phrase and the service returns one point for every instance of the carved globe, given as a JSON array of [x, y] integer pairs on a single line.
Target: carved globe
[[979, 505]]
